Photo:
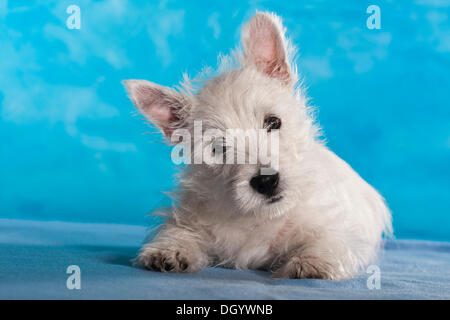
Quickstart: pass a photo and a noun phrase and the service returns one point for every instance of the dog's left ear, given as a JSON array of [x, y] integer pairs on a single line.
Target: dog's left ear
[[265, 47], [163, 106]]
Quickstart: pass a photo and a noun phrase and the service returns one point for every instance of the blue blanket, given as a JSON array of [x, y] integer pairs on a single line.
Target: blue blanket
[[34, 257]]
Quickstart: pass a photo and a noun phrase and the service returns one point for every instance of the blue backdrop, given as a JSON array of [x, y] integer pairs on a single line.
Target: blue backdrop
[[72, 148]]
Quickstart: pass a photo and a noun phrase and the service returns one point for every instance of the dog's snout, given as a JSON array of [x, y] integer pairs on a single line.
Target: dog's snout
[[265, 184]]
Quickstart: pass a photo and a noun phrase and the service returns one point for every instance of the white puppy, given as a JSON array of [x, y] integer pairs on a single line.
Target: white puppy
[[312, 217]]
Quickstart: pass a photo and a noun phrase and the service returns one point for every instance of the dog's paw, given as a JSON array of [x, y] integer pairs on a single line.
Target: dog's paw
[[165, 260], [306, 268]]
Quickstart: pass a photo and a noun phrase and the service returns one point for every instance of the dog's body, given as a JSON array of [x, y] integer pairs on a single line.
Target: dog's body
[[314, 218]]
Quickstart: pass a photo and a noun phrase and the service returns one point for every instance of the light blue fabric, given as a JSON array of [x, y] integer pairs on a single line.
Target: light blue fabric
[[72, 150], [34, 257]]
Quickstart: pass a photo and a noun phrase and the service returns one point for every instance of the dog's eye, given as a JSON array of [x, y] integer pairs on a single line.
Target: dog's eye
[[219, 146], [272, 122]]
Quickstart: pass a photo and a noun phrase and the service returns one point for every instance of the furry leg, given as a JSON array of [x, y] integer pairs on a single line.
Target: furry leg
[[308, 263], [174, 249]]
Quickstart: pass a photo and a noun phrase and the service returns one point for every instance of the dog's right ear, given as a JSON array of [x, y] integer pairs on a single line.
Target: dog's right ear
[[163, 106], [266, 48]]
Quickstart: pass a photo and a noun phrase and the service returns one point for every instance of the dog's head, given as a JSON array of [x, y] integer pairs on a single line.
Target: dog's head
[[260, 104]]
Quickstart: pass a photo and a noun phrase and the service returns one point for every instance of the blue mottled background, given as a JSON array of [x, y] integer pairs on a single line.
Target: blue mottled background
[[72, 148]]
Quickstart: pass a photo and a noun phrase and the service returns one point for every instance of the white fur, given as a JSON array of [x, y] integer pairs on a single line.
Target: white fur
[[329, 223]]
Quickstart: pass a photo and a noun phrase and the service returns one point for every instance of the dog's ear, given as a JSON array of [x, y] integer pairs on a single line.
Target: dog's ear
[[266, 48], [163, 106]]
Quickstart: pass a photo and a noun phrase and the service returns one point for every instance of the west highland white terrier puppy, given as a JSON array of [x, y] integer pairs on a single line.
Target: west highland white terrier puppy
[[308, 216]]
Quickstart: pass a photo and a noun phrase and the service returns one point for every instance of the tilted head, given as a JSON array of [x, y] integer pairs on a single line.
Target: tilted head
[[257, 98]]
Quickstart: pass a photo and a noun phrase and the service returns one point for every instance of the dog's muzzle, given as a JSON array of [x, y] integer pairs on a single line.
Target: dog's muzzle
[[265, 184]]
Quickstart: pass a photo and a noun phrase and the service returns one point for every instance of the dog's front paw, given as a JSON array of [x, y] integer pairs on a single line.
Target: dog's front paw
[[165, 260], [306, 268]]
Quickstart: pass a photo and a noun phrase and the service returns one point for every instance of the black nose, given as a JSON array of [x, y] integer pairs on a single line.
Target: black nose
[[265, 184]]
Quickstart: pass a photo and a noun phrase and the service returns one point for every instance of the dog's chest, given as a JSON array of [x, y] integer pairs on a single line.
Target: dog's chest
[[243, 244]]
